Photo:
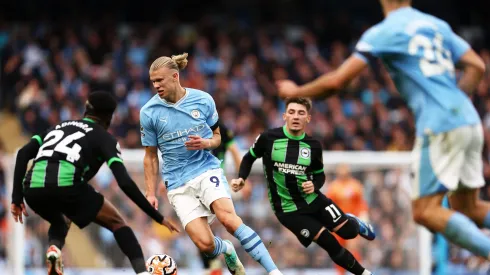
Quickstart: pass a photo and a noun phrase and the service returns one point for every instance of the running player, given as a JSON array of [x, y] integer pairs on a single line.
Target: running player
[[65, 158], [293, 166], [183, 124], [347, 192], [421, 51], [213, 266]]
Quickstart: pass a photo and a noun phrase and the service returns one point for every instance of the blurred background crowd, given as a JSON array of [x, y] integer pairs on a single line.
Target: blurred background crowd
[[236, 52]]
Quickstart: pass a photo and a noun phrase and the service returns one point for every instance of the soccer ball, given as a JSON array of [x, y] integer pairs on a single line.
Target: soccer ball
[[161, 264]]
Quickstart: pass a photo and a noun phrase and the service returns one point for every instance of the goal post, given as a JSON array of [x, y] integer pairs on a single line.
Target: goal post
[[380, 172]]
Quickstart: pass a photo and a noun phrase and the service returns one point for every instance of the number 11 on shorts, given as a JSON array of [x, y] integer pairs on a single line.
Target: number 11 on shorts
[[215, 180], [335, 215]]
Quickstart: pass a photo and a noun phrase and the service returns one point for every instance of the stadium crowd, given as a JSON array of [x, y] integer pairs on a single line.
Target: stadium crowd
[[48, 70]]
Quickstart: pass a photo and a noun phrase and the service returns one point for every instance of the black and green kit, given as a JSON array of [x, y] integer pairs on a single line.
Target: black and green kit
[[65, 157], [288, 162], [70, 154]]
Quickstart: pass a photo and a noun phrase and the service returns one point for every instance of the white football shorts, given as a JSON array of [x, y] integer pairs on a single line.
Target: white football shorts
[[448, 161], [193, 199]]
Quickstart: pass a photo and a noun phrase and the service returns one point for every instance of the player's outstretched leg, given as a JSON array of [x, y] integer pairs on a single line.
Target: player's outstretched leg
[[249, 239], [109, 218], [341, 256], [456, 227]]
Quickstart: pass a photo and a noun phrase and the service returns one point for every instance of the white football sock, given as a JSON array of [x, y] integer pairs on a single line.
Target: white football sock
[[229, 248], [143, 273], [367, 272], [275, 272]]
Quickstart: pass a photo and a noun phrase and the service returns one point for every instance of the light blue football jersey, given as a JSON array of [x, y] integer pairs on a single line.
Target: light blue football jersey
[[168, 126], [420, 52]]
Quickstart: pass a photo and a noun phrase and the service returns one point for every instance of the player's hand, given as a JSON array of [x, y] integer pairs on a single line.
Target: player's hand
[[170, 225], [308, 187], [17, 212], [153, 201], [197, 143], [287, 88], [237, 184]]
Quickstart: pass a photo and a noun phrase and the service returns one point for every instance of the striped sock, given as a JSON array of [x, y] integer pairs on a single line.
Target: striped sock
[[219, 247], [254, 246]]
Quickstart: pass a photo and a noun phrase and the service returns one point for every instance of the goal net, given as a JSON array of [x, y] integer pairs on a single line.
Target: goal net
[[401, 247]]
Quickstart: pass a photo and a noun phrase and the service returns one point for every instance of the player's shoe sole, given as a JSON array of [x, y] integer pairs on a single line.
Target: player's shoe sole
[[365, 229], [233, 263], [54, 261]]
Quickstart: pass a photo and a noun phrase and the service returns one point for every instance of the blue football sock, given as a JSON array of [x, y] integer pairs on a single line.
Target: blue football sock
[[219, 247], [464, 232], [254, 246]]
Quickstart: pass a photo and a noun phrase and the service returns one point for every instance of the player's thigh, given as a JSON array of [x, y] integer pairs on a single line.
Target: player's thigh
[[304, 227], [186, 203], [213, 186], [437, 162], [109, 217], [472, 171], [81, 204], [200, 233], [330, 214]]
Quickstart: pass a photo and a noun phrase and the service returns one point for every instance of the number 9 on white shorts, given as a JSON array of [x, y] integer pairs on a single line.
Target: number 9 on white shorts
[[193, 199]]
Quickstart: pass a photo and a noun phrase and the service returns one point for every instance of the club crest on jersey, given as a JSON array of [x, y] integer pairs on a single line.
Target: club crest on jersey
[[195, 114], [305, 233], [305, 153]]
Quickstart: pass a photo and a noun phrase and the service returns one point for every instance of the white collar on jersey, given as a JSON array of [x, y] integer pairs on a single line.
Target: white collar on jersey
[[176, 103]]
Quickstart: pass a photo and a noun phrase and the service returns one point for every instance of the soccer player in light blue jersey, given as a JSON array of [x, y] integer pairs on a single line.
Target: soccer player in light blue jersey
[[183, 124], [421, 52]]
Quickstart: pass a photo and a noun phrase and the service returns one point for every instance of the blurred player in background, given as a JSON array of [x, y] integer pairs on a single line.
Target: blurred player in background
[[293, 166], [66, 157], [213, 266], [347, 192], [420, 52], [183, 124]]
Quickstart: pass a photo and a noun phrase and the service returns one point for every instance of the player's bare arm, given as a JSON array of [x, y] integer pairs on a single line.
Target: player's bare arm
[[474, 68], [235, 153], [325, 84], [199, 143], [150, 164]]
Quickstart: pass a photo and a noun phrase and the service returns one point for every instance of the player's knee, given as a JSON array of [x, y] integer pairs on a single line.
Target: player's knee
[[205, 245], [349, 230], [116, 222], [229, 219]]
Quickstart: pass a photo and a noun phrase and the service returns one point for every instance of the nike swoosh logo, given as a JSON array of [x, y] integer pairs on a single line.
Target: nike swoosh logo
[[335, 220], [163, 119], [275, 148]]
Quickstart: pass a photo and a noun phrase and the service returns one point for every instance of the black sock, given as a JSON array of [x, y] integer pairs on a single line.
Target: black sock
[[339, 255], [130, 246], [205, 260], [57, 234]]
